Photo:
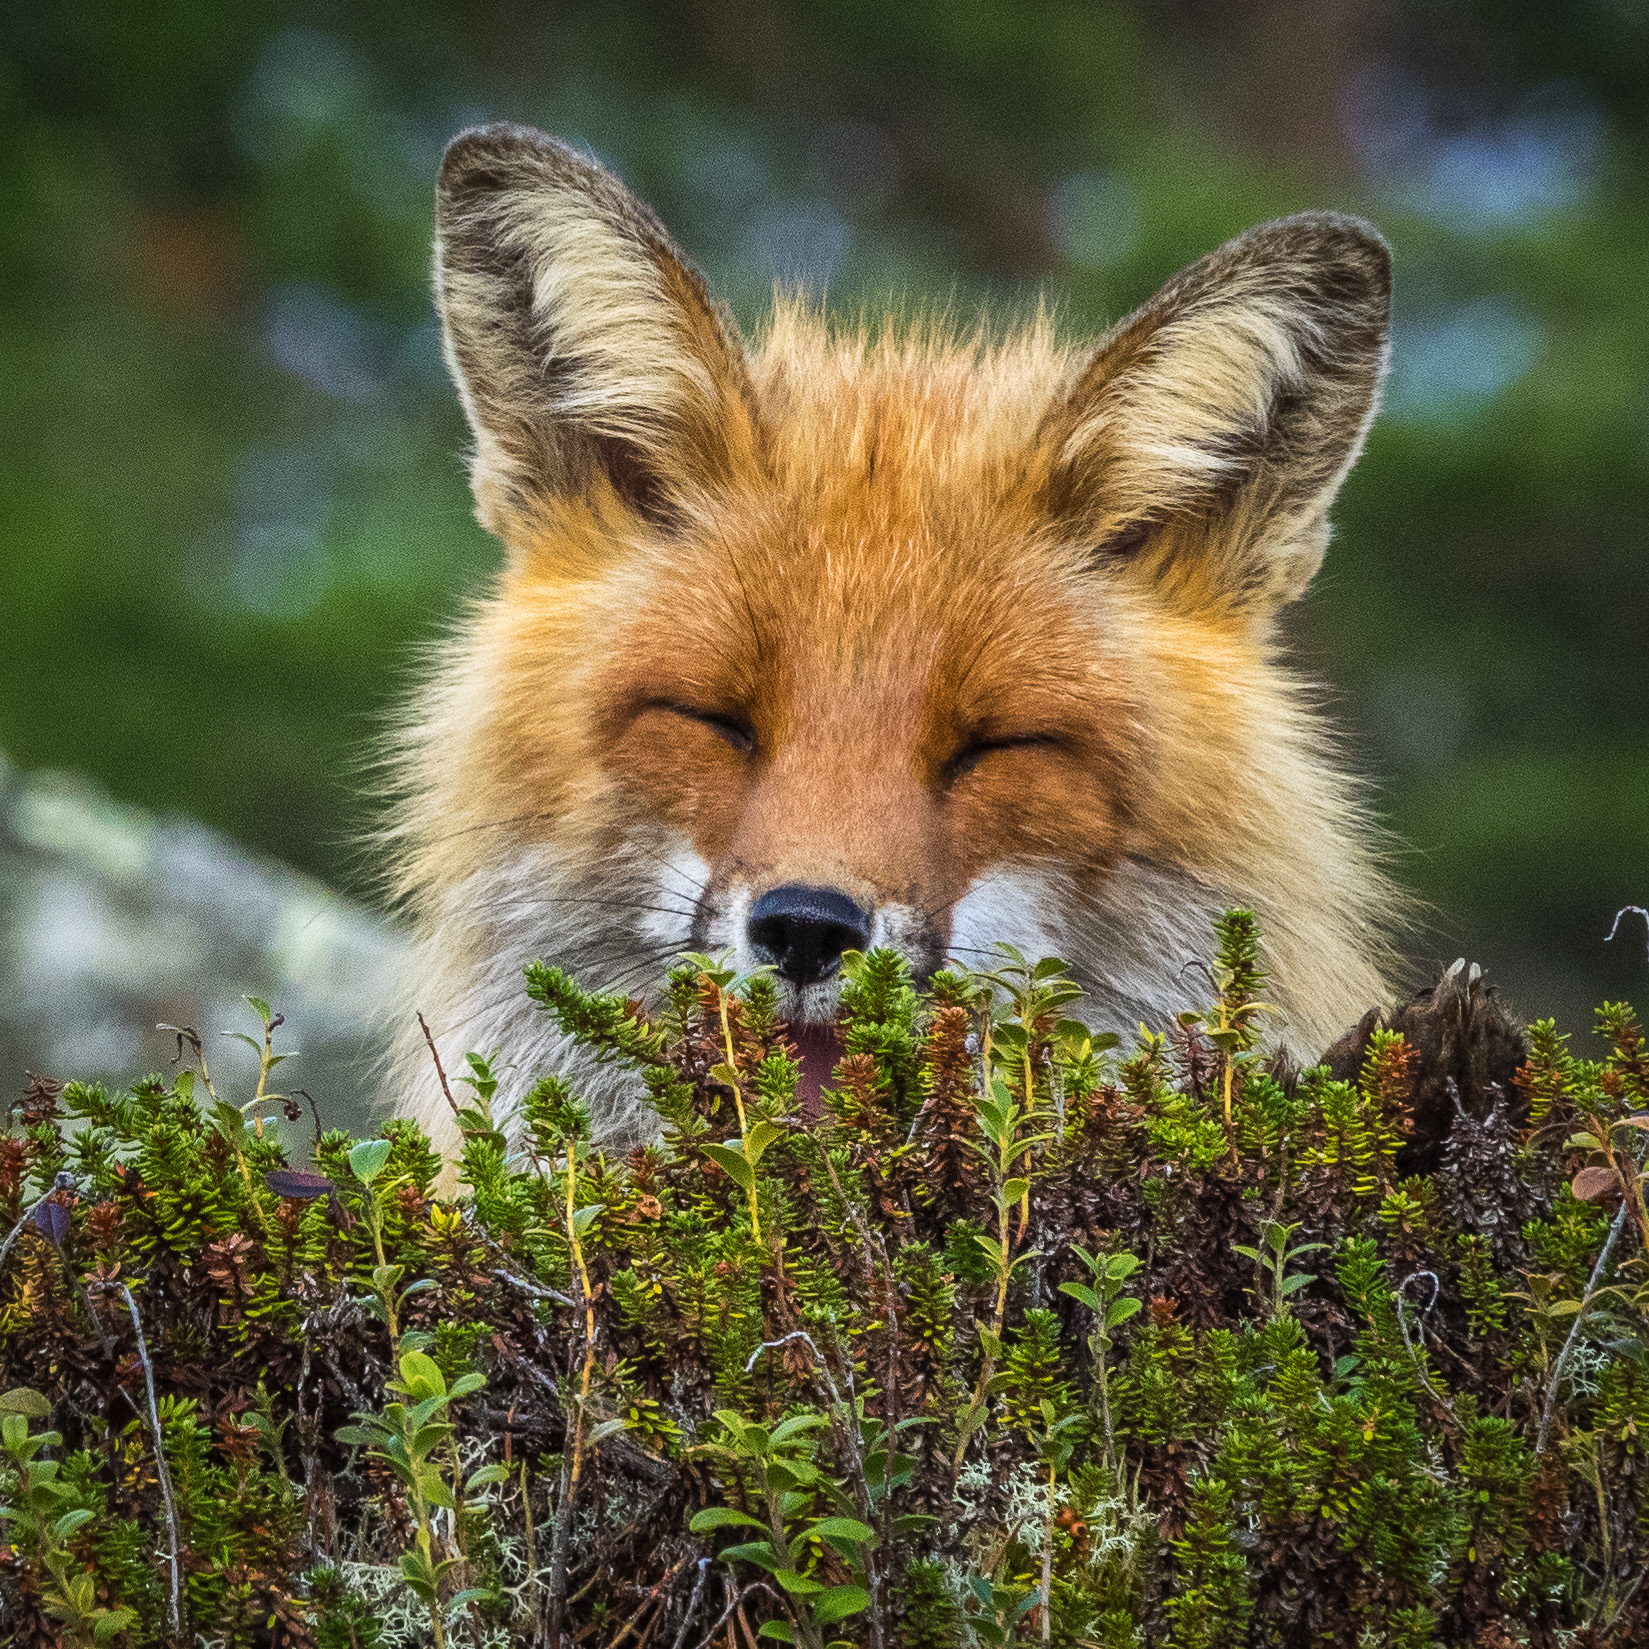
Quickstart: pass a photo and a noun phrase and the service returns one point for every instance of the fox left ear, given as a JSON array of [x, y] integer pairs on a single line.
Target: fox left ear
[[585, 347], [1206, 439]]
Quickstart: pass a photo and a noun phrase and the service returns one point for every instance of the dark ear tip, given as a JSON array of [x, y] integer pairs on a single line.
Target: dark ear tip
[[1335, 239], [481, 159]]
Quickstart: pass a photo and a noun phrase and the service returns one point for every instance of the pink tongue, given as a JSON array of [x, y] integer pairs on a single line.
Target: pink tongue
[[818, 1049]]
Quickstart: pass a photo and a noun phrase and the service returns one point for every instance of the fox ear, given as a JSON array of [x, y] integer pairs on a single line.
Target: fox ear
[[583, 343], [1208, 436]]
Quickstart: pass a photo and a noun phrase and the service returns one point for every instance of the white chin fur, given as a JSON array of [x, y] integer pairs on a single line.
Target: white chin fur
[[1128, 945], [617, 930]]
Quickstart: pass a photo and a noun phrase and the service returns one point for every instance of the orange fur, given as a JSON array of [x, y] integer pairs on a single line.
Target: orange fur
[[994, 614]]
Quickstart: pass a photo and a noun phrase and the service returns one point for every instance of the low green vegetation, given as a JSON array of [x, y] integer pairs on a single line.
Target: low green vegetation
[[1027, 1337]]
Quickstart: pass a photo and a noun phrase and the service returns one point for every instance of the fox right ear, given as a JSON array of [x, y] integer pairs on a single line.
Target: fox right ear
[[1209, 433], [585, 348]]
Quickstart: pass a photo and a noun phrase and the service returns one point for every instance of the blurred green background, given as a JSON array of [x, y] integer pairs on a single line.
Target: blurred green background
[[231, 495]]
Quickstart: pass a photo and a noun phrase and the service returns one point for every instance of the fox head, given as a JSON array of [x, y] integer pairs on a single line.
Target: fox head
[[919, 639]]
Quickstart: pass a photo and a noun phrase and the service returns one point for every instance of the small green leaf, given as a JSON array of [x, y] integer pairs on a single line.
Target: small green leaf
[[585, 1217], [799, 1585], [228, 1121], [839, 1602], [366, 1160], [724, 1074], [723, 1517], [1292, 1285], [69, 1522], [607, 1428], [731, 1159], [412, 1570], [795, 1426], [1081, 1291], [759, 1136], [842, 1528], [422, 1373], [486, 1475], [782, 1630], [758, 1551], [1120, 1311], [25, 1400]]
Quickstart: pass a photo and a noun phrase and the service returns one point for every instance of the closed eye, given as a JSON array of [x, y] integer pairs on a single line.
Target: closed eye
[[976, 750], [733, 729]]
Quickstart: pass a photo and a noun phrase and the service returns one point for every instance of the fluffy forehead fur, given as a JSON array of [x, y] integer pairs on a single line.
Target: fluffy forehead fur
[[975, 628]]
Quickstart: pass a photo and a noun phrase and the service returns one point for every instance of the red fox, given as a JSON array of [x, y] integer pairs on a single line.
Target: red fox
[[853, 636]]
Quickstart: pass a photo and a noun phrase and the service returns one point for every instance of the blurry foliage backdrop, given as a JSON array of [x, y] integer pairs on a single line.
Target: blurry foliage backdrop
[[232, 500]]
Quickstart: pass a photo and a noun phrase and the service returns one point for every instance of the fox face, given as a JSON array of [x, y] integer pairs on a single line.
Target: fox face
[[927, 640]]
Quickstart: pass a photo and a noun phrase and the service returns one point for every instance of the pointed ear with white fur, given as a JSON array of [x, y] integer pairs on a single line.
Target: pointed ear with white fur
[[1207, 437], [585, 348]]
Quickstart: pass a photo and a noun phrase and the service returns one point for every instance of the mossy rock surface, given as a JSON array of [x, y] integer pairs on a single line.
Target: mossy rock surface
[[1027, 1336]]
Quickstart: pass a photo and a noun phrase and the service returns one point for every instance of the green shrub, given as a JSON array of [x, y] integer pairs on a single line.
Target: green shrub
[[1026, 1337]]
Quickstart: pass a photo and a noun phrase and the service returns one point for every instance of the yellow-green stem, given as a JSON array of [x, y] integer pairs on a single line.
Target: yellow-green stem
[[374, 1224], [1226, 1074], [240, 1155], [589, 1317], [526, 1514], [738, 1101], [988, 1367], [1030, 1106], [426, 1547]]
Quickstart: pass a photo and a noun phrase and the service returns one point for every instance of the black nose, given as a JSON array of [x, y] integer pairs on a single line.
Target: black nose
[[803, 931]]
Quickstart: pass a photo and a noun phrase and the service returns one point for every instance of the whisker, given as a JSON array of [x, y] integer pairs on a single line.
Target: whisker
[[697, 886], [492, 824], [700, 888], [534, 901]]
